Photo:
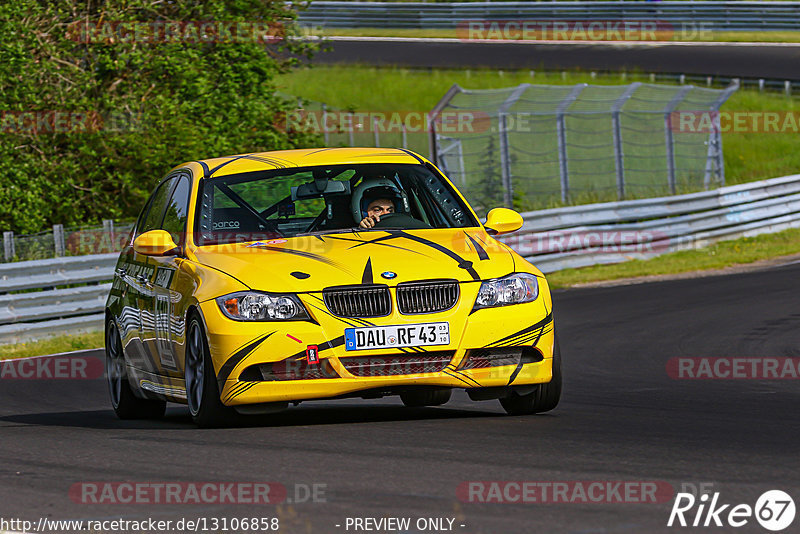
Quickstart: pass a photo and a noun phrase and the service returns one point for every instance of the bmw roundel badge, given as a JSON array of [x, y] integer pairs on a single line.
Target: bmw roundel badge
[[388, 275]]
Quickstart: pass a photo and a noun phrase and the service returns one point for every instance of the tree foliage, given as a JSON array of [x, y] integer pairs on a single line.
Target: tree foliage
[[92, 116]]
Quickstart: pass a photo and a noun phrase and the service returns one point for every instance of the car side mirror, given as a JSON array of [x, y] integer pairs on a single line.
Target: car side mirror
[[503, 221], [155, 243]]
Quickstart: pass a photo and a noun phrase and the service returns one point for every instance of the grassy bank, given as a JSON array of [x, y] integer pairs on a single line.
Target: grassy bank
[[53, 345], [718, 256]]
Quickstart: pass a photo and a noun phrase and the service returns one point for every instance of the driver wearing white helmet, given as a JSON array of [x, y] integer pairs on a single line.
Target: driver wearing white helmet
[[376, 208]]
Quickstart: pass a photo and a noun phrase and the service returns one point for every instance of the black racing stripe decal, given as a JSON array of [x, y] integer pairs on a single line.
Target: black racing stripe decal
[[478, 248], [303, 253], [235, 390], [277, 162], [519, 365], [218, 167], [366, 278], [395, 234], [360, 242], [461, 378], [413, 155], [247, 387], [204, 165], [238, 356], [525, 330]]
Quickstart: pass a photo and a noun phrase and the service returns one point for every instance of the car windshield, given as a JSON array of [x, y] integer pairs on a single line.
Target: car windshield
[[317, 200]]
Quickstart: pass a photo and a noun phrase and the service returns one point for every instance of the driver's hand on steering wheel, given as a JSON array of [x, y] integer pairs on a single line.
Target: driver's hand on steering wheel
[[375, 209]]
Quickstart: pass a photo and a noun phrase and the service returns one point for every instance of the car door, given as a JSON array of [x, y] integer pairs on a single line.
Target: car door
[[126, 286], [170, 287], [141, 277]]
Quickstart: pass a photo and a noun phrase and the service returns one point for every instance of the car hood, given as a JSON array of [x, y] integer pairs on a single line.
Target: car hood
[[312, 263]]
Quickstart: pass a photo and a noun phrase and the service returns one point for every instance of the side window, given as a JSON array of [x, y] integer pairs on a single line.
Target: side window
[[152, 220], [178, 211]]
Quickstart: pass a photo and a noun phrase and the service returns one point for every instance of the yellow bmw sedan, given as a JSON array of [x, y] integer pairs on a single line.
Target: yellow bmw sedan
[[253, 281]]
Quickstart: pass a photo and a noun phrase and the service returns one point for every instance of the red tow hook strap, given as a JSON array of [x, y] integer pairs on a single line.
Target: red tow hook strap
[[312, 354]]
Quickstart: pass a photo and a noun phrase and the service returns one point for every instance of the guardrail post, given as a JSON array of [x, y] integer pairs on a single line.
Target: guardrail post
[[58, 239], [619, 157], [8, 246]]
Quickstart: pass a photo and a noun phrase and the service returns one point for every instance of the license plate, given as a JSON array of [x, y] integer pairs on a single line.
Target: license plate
[[406, 335]]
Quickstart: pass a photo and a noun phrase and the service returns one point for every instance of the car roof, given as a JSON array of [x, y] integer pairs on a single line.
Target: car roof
[[307, 157]]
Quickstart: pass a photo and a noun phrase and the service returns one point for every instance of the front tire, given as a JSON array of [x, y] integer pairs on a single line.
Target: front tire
[[126, 405], [202, 392], [543, 399]]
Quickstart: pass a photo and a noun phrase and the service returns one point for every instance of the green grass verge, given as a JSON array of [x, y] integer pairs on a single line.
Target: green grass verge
[[452, 33], [52, 345], [717, 256]]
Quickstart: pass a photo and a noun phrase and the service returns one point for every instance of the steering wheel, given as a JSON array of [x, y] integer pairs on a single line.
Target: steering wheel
[[386, 216], [400, 220]]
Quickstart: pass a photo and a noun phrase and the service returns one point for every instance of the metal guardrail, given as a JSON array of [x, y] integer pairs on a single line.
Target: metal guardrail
[[554, 239], [613, 232], [27, 315], [715, 16]]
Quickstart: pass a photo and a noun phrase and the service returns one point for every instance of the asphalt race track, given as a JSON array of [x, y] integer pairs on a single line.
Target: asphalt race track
[[622, 418], [745, 60]]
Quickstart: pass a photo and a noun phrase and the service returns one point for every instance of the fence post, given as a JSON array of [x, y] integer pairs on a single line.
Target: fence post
[[58, 239], [668, 137], [325, 133], [505, 153], [561, 130], [714, 159], [505, 161], [108, 228], [352, 133], [8, 246], [375, 132], [619, 157], [433, 115]]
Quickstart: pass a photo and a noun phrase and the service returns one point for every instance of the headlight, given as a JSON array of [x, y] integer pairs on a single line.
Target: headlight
[[252, 306], [513, 289]]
